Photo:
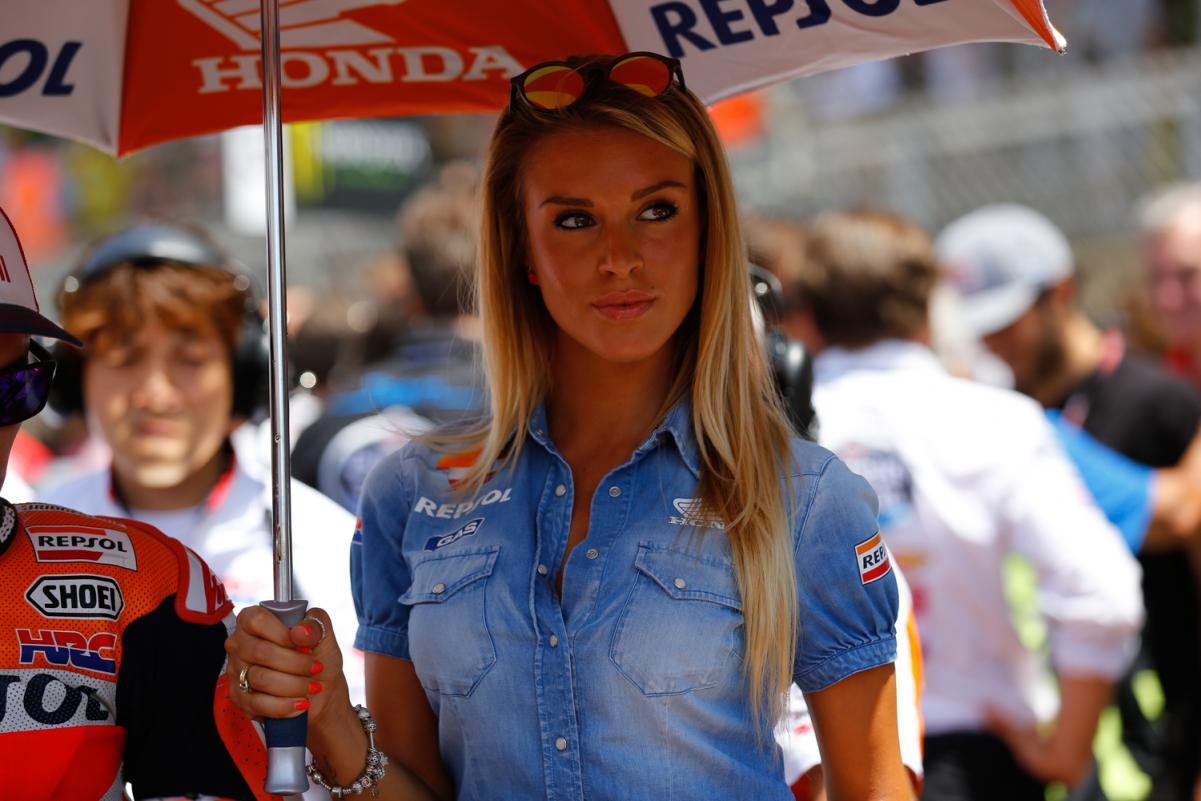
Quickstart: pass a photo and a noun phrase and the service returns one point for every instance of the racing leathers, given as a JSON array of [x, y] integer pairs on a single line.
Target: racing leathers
[[110, 655]]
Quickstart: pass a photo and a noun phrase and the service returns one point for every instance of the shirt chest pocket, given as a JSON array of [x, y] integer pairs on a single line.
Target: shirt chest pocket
[[449, 640], [681, 627]]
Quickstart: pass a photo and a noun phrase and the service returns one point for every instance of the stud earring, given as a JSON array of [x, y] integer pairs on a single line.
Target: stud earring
[[531, 276]]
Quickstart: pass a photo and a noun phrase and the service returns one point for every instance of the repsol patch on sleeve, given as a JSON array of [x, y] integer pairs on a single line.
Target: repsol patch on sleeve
[[872, 556]]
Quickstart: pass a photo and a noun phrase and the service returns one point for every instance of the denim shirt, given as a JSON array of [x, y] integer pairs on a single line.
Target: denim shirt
[[629, 686]]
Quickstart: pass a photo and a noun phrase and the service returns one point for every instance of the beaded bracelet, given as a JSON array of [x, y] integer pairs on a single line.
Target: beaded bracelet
[[373, 771]]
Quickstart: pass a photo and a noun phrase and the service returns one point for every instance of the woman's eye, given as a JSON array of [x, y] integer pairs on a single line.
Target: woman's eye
[[659, 211], [571, 220]]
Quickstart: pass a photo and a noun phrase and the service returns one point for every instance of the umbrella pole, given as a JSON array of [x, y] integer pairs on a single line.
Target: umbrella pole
[[285, 738]]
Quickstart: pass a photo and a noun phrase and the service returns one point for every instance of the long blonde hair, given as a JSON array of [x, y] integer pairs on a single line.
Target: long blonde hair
[[739, 425]]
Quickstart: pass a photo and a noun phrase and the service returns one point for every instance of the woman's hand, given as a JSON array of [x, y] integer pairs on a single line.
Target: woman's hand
[[289, 671]]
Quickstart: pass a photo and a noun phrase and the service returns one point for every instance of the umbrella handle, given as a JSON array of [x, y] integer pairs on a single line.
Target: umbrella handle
[[286, 738]]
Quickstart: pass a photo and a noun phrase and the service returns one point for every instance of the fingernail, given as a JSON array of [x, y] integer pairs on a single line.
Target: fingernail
[[304, 649], [301, 705], [314, 687], [308, 632], [317, 668]]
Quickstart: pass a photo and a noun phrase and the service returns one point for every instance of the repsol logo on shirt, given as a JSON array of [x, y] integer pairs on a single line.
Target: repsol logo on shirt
[[81, 597], [77, 543], [453, 511]]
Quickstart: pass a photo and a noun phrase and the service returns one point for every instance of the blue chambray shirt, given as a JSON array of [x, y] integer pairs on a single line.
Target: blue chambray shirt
[[631, 685]]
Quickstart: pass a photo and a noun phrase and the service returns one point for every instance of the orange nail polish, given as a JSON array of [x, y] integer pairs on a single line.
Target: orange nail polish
[[317, 668], [314, 687], [302, 704], [304, 649]]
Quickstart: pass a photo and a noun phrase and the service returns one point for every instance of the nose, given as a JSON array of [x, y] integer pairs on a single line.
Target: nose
[[1167, 290], [156, 391], [620, 256]]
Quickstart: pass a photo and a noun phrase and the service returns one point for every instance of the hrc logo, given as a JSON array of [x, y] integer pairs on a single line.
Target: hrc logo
[[69, 648]]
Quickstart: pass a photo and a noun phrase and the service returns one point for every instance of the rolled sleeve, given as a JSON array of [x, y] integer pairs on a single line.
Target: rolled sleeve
[[1089, 583], [379, 574], [846, 587]]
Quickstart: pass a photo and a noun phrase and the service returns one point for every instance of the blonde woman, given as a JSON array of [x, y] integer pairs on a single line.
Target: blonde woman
[[604, 591]]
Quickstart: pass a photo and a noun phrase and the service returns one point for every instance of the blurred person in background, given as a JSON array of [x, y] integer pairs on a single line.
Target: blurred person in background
[[432, 372], [1169, 224], [1016, 273], [968, 476], [175, 360], [114, 653]]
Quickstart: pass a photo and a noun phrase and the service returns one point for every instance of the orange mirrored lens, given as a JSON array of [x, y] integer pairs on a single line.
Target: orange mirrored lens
[[552, 87], [643, 74]]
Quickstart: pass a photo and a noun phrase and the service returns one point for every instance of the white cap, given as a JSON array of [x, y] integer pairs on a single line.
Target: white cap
[[19, 312], [1002, 258]]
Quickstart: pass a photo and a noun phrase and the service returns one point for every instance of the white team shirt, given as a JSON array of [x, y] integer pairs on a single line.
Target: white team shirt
[[968, 475], [796, 736], [232, 533]]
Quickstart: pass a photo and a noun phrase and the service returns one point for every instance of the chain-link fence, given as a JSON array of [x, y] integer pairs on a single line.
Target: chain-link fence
[[1080, 144]]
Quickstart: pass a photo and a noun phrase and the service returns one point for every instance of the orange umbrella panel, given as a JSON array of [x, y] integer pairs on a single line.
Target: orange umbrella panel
[[125, 74]]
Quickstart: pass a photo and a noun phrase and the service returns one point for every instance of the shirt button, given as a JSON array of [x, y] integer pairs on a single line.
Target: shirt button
[[680, 583], [592, 553], [543, 570], [560, 491], [554, 641], [614, 492], [561, 743], [439, 588]]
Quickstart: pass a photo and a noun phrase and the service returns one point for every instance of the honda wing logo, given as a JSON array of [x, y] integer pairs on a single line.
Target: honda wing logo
[[302, 23], [692, 513]]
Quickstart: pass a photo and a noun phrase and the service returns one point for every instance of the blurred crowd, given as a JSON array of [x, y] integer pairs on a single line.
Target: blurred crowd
[[1086, 458]]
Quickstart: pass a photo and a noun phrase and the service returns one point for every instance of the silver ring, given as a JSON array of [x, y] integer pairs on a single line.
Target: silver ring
[[319, 623], [244, 680]]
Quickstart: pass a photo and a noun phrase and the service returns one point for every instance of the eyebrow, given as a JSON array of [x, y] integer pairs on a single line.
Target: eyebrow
[[584, 202]]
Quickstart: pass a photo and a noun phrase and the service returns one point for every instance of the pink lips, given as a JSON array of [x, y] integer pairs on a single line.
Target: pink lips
[[623, 305]]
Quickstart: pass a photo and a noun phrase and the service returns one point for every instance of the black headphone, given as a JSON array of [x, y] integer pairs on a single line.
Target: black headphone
[[152, 244], [790, 363]]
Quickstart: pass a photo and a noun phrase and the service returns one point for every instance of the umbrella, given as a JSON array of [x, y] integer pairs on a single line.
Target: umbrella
[[126, 74]]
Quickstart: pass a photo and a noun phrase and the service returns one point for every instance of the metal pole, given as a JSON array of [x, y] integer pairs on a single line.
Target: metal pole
[[285, 738], [281, 497]]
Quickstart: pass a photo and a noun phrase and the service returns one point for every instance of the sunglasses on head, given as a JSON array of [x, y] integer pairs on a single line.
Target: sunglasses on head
[[24, 388], [555, 85]]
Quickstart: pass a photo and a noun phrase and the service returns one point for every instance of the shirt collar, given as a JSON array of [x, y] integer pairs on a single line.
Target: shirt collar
[[677, 425], [890, 354]]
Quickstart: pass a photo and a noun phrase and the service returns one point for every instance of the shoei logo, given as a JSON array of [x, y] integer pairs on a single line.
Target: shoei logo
[[321, 45], [73, 543], [691, 513], [80, 597]]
